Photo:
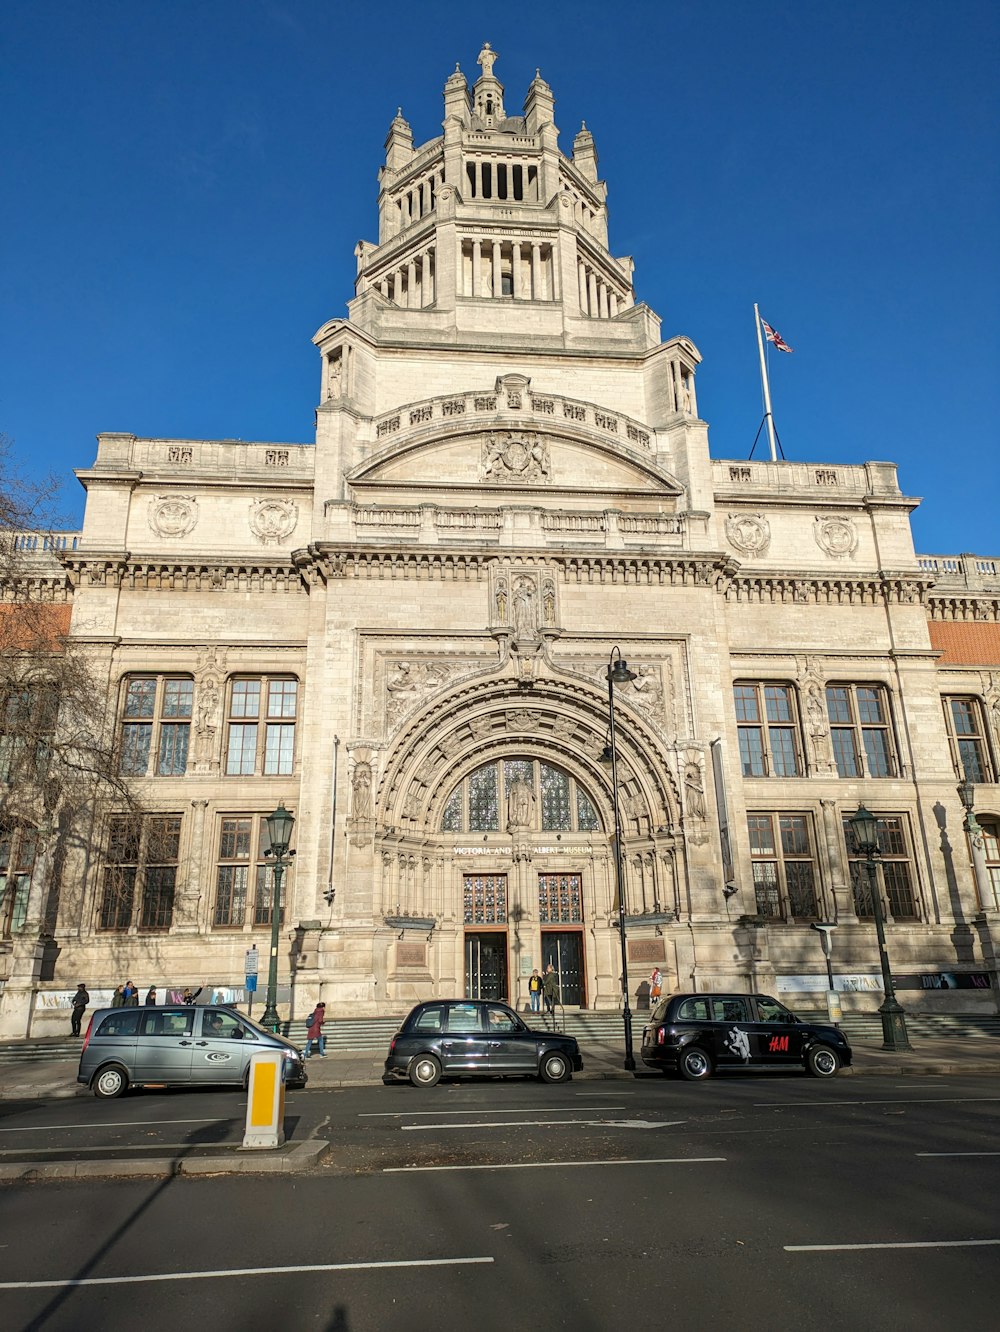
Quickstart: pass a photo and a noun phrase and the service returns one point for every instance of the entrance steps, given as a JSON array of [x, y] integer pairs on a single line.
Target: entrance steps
[[868, 1026]]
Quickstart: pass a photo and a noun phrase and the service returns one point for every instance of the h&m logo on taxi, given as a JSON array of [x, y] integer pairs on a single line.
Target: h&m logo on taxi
[[777, 1045]]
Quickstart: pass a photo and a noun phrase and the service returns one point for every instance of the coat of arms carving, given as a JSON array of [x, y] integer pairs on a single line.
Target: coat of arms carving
[[515, 456], [749, 533]]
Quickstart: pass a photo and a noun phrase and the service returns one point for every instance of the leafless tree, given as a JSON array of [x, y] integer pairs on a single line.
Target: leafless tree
[[59, 772]]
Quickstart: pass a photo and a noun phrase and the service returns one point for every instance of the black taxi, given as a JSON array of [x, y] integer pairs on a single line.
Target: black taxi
[[695, 1034], [475, 1038]]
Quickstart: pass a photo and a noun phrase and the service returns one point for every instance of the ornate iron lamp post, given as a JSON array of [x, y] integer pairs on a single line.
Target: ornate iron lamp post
[[279, 832], [977, 844], [864, 827], [619, 673]]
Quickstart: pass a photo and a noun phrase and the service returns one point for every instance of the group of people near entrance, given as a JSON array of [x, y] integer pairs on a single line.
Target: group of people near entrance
[[125, 996], [544, 987]]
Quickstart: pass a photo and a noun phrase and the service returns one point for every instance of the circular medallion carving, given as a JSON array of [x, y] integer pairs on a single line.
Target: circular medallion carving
[[173, 515], [749, 533], [273, 520], [837, 536]]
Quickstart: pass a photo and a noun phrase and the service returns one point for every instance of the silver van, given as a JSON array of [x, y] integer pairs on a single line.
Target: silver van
[[176, 1045]]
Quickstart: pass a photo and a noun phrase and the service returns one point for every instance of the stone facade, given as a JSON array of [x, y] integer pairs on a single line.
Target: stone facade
[[403, 632]]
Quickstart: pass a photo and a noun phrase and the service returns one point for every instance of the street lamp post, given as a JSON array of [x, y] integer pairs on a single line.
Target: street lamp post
[[864, 826], [619, 673], [984, 888], [279, 831]]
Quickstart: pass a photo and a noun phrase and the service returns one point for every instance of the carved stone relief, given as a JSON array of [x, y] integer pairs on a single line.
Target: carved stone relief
[[273, 520], [409, 683], [524, 607], [173, 515], [514, 456], [812, 689], [836, 536], [521, 719], [694, 797], [749, 533]]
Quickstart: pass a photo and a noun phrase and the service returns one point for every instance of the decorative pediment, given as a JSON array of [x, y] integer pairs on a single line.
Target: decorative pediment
[[510, 436]]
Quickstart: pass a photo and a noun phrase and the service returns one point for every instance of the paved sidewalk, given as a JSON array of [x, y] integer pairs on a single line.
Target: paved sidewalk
[[40, 1078]]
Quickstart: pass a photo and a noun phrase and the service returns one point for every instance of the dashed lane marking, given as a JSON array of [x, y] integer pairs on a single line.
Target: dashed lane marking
[[524, 1110]]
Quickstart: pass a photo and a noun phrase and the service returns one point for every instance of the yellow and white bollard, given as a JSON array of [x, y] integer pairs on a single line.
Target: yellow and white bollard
[[265, 1101]]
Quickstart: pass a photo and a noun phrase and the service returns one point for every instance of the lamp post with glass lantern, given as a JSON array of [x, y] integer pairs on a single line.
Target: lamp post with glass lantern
[[279, 832], [977, 845], [864, 827], [619, 673]]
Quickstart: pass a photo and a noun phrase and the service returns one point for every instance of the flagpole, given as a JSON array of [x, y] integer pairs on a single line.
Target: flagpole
[[767, 391]]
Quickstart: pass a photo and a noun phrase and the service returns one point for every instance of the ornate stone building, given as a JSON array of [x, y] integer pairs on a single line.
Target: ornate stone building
[[403, 632]]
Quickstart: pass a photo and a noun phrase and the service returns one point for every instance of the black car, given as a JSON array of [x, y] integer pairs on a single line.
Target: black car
[[463, 1037], [694, 1034]]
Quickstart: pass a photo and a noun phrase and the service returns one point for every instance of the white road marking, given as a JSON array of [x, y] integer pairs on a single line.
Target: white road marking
[[237, 1272], [908, 1244], [557, 1165], [547, 1123], [117, 1147], [927, 1100], [122, 1123], [956, 1153], [524, 1110]]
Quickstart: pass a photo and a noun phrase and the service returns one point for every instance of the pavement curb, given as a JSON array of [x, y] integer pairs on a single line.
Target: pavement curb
[[285, 1160]]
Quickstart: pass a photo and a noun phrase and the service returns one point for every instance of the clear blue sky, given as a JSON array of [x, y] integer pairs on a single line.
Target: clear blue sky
[[185, 183]]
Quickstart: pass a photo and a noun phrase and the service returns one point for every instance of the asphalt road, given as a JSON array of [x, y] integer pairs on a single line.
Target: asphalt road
[[753, 1203]]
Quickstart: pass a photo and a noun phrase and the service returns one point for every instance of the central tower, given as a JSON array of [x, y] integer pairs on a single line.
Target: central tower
[[489, 229]]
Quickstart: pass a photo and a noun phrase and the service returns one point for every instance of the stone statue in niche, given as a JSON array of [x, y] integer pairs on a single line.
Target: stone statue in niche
[[549, 602], [336, 381], [361, 791], [694, 790], [524, 608], [520, 805], [500, 601]]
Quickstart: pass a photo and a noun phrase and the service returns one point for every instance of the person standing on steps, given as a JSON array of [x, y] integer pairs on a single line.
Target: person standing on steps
[[550, 989], [535, 991], [80, 1001]]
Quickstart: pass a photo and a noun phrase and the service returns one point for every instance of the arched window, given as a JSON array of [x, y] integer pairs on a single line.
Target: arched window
[[544, 797]]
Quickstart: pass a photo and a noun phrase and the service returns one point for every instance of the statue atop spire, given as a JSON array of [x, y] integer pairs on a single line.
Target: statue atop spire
[[487, 57]]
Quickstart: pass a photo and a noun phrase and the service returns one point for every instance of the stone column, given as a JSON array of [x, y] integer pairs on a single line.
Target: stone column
[[497, 283], [427, 277], [592, 294], [411, 285], [612, 304], [603, 297], [582, 273], [189, 890], [477, 267], [840, 886], [536, 271]]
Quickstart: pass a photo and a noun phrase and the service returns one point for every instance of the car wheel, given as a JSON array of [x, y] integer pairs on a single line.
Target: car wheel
[[554, 1067], [110, 1082], [695, 1064], [425, 1071], [822, 1062]]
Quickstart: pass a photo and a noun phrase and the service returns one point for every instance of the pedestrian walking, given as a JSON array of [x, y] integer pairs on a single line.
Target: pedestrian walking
[[314, 1030], [118, 998], [550, 989], [80, 1001], [131, 993], [151, 996], [535, 991], [655, 987]]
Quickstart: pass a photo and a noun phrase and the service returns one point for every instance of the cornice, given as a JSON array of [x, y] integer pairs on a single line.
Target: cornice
[[157, 574], [830, 589], [945, 607]]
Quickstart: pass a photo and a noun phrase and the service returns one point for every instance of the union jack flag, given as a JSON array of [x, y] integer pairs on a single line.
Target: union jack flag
[[774, 336]]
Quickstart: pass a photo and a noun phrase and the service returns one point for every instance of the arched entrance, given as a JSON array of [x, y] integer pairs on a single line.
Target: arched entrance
[[495, 823]]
